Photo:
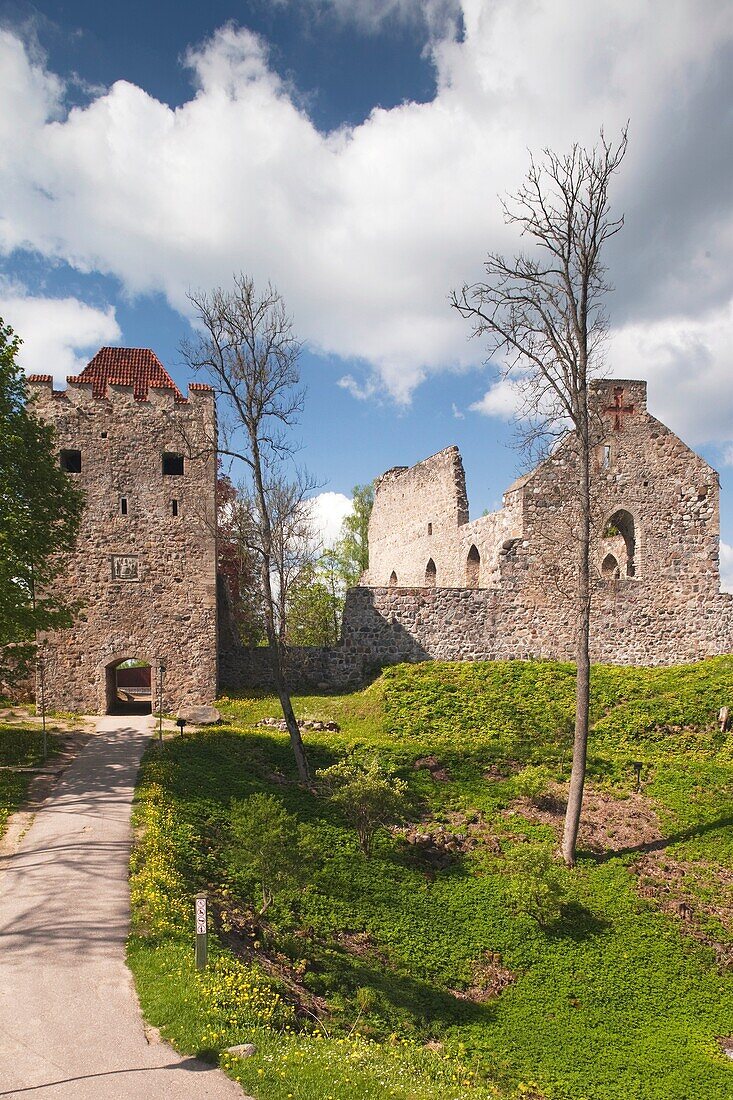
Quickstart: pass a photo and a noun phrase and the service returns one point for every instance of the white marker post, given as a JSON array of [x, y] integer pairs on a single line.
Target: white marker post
[[202, 931]]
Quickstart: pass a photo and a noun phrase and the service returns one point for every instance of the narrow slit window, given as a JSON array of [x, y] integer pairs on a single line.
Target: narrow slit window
[[430, 528], [123, 506], [606, 457], [174, 507], [71, 462], [172, 464]]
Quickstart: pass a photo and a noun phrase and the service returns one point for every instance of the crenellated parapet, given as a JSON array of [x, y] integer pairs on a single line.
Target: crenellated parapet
[[81, 390]]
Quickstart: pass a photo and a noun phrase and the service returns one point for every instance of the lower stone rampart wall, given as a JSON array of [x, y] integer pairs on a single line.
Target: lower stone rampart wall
[[384, 626]]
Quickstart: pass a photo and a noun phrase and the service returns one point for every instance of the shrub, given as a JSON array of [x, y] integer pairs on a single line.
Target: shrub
[[533, 782], [267, 844], [369, 797], [535, 884]]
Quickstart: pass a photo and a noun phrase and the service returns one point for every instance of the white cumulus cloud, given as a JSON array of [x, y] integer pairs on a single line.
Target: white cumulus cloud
[[59, 334], [687, 363], [366, 229], [328, 511], [372, 15], [502, 399]]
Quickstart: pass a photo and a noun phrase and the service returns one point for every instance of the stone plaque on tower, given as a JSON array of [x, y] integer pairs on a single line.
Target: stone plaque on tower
[[125, 568]]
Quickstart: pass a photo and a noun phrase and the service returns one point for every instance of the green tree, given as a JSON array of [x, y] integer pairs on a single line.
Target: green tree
[[267, 845], [369, 797], [314, 607], [534, 884], [237, 565], [351, 552], [316, 602], [40, 510]]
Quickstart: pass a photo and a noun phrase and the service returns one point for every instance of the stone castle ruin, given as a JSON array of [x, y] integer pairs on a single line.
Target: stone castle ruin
[[439, 586], [656, 518], [443, 587], [144, 567]]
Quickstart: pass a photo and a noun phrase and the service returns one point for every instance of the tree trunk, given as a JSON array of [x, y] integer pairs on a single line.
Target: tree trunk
[[278, 678], [582, 655]]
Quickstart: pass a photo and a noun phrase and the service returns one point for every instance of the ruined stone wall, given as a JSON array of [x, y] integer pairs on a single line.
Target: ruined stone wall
[[655, 515], [488, 535], [388, 626], [420, 515], [414, 520], [666, 494], [146, 581]]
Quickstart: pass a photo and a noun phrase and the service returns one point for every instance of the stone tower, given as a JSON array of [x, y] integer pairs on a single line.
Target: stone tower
[[144, 568]]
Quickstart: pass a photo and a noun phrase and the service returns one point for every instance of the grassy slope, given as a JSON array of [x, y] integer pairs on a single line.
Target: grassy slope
[[612, 1002]]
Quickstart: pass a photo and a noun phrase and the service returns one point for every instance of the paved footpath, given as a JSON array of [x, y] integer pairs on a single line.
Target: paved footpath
[[70, 1025]]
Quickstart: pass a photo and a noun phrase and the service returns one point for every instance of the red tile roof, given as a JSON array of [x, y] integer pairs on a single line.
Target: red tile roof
[[136, 367], [40, 378]]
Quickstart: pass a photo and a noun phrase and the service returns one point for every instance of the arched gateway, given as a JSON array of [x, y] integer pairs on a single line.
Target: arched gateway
[[129, 687]]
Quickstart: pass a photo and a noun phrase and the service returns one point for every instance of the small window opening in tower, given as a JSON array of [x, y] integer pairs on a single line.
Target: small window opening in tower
[[71, 462], [430, 574], [123, 506], [174, 507], [606, 456], [392, 579], [172, 464], [430, 528]]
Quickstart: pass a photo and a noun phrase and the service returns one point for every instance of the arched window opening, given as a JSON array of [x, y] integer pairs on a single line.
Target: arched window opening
[[473, 568], [393, 579], [619, 538], [430, 574], [610, 567]]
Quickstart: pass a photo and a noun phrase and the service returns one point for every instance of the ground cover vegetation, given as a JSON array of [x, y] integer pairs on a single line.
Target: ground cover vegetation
[[457, 957], [21, 747]]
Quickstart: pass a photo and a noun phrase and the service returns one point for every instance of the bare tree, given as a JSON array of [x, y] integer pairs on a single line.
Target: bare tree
[[546, 318], [247, 349], [295, 545]]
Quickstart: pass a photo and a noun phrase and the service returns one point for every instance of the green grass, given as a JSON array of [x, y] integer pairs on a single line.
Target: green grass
[[19, 747], [612, 1001]]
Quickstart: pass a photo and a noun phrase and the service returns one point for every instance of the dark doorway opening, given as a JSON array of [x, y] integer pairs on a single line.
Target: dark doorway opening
[[129, 687], [473, 568]]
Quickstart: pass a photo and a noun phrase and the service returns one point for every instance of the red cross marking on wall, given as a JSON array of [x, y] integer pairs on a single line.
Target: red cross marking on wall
[[618, 408]]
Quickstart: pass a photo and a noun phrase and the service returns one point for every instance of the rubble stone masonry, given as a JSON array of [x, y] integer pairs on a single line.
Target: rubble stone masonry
[[439, 586], [500, 587], [144, 568]]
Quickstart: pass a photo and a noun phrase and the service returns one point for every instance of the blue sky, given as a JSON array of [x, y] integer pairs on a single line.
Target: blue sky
[[353, 151]]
